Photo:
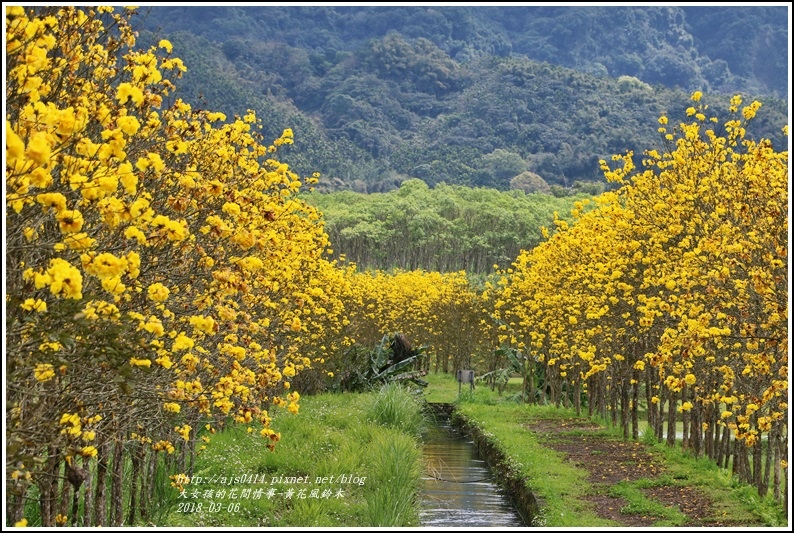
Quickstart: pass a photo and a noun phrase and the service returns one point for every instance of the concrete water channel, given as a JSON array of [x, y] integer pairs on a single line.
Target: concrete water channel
[[460, 489]]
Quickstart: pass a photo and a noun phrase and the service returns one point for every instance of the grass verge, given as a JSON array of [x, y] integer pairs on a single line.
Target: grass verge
[[336, 465], [561, 486]]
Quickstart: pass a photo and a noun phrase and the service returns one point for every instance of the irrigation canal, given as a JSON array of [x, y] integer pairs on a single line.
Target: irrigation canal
[[459, 488]]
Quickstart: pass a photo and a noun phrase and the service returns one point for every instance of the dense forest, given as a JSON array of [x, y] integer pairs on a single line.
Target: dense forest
[[447, 228], [471, 95]]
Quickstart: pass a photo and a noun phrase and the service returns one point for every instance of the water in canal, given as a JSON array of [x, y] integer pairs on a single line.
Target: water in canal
[[459, 489]]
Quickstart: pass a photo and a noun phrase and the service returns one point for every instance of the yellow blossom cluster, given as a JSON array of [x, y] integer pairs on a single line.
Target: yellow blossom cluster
[[671, 289], [161, 265]]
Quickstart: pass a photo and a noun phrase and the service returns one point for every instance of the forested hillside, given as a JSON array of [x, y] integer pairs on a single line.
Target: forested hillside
[[472, 95]]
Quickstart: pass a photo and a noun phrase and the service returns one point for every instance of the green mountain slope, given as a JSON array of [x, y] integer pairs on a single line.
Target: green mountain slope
[[470, 95]]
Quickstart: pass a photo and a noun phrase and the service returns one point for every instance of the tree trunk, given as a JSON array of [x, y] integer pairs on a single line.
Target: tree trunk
[[710, 436], [48, 488], [671, 419], [685, 416], [17, 506], [696, 431], [770, 443], [624, 408], [135, 458], [65, 495], [100, 503], [591, 397], [88, 495], [635, 403], [117, 478], [531, 377], [577, 397], [758, 479]]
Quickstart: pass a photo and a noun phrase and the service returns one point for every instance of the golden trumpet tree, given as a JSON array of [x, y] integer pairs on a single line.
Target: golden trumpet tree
[[674, 285], [162, 274]]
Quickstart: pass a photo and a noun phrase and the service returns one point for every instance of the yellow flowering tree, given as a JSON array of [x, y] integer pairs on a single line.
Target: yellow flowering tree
[[674, 285], [162, 273]]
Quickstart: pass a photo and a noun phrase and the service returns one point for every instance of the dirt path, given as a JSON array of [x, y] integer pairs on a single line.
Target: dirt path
[[611, 461]]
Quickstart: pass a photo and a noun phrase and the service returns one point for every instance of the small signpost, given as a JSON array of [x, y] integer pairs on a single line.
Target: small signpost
[[465, 376]]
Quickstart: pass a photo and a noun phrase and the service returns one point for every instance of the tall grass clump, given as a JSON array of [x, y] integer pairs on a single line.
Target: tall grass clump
[[396, 475], [397, 407]]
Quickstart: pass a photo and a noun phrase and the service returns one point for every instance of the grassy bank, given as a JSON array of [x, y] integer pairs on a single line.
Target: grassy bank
[[561, 486], [345, 460]]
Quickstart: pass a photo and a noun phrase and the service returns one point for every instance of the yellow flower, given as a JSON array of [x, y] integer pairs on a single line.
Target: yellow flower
[[15, 147], [128, 124], [21, 523], [39, 148], [205, 324], [79, 241], [696, 96], [182, 342], [52, 200], [251, 263], [88, 451], [64, 279], [41, 178], [231, 208], [132, 232], [40, 306], [70, 220], [44, 372], [172, 407], [166, 45], [140, 362], [158, 292], [750, 111], [126, 92], [184, 431], [663, 120], [106, 266], [128, 178]]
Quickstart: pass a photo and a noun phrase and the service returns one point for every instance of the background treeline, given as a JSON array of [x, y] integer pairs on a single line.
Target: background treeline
[[445, 229], [471, 95]]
